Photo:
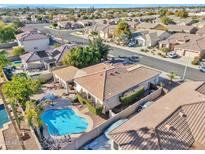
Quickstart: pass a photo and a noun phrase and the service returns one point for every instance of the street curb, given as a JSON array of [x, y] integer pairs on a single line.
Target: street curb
[[141, 53]]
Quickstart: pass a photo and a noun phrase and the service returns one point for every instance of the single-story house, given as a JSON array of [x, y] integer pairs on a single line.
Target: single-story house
[[59, 52], [33, 41], [65, 76], [86, 23], [194, 48], [69, 25], [177, 39], [149, 37], [170, 123], [181, 28], [200, 24], [46, 59], [106, 83], [156, 26], [105, 31], [201, 31], [60, 17], [34, 60], [64, 25]]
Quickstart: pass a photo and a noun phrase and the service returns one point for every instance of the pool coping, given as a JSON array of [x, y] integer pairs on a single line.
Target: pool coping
[[2, 141]]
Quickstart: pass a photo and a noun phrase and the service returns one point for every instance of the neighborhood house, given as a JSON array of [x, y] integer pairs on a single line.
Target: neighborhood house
[[104, 84], [170, 123], [33, 41]]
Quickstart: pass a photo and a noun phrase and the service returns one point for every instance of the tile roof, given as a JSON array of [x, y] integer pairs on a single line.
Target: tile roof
[[180, 38], [201, 89], [145, 25], [59, 52], [201, 31], [194, 45], [179, 28], [105, 83], [33, 56], [174, 122], [67, 73], [30, 35]]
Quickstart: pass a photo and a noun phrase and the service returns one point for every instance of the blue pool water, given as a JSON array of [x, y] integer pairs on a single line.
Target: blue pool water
[[63, 122], [3, 116]]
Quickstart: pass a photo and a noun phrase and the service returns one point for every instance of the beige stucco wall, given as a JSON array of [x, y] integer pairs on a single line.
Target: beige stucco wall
[[114, 101], [187, 53]]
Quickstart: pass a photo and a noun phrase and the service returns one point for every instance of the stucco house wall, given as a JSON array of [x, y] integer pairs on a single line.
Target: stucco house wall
[[192, 54], [35, 45], [114, 101]]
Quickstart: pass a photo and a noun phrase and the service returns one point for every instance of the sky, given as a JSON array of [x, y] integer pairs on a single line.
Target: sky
[[92, 5]]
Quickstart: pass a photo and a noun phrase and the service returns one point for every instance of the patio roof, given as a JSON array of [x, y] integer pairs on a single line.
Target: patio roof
[[67, 73]]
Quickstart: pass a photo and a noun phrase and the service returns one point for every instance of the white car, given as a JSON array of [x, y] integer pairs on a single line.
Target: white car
[[202, 68], [172, 55]]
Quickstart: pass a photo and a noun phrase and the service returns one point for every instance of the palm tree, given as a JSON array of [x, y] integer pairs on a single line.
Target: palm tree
[[33, 115], [172, 76]]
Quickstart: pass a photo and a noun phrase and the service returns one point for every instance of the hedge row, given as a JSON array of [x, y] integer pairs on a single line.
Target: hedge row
[[96, 110], [131, 98]]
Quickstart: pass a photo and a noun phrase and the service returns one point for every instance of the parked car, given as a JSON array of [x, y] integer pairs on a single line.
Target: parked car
[[122, 56], [144, 105], [134, 58], [202, 68], [172, 54], [131, 44]]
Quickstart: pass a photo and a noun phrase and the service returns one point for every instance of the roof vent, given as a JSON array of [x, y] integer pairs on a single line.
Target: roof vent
[[182, 115], [112, 74], [170, 128]]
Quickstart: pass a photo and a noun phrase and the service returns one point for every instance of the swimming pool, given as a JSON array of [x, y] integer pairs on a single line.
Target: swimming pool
[[3, 116], [63, 122]]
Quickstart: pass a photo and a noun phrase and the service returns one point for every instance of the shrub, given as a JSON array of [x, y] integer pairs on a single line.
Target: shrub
[[131, 98], [96, 110], [17, 51], [196, 61]]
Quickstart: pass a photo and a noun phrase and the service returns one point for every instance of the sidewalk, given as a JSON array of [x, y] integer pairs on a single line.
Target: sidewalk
[[181, 60]]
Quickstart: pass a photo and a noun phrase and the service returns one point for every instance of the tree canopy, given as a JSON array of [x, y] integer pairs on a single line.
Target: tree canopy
[[181, 13], [82, 56], [98, 45], [163, 11], [33, 113], [17, 51], [3, 59], [85, 56], [165, 20], [7, 32], [19, 89], [17, 24], [123, 29]]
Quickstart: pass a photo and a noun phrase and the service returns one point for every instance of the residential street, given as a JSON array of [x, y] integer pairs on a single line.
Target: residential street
[[192, 74]]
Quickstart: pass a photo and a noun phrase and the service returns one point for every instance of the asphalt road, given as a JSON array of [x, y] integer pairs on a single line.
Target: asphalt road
[[192, 74]]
